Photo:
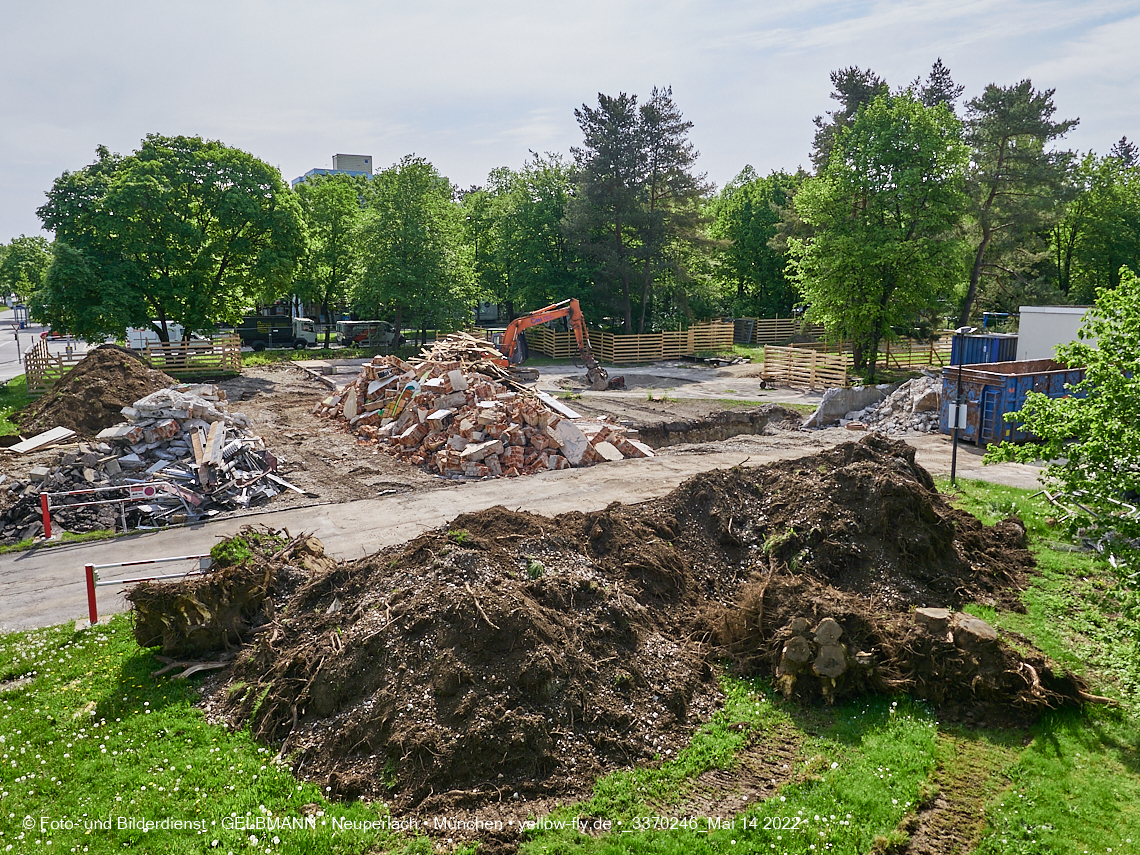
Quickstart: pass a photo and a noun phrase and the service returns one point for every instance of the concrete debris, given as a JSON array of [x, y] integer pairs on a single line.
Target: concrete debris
[[181, 456], [470, 419], [914, 406]]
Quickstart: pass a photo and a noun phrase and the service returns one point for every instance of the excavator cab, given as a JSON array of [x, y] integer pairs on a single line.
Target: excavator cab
[[514, 346]]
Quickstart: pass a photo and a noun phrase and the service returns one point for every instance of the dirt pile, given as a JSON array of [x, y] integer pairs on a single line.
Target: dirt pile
[[513, 653], [90, 395]]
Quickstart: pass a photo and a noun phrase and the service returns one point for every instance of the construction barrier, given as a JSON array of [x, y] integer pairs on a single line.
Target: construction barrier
[[217, 356], [797, 366], [205, 564], [616, 348], [135, 493], [43, 368]]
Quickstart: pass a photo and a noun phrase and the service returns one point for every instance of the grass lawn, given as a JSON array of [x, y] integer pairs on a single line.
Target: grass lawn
[[92, 747], [13, 396]]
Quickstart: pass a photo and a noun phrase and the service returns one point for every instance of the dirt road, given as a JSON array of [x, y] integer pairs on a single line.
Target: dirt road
[[46, 586]]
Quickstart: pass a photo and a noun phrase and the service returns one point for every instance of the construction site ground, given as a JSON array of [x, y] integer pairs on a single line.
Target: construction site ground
[[361, 500]]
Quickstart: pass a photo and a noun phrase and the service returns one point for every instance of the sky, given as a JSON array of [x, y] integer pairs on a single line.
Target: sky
[[474, 86]]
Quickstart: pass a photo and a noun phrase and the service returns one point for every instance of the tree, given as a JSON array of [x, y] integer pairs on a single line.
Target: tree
[[637, 200], [521, 253], [884, 214], [939, 87], [1014, 182], [24, 265], [606, 211], [671, 191], [746, 217], [333, 210], [1092, 436], [185, 230], [1125, 151], [1100, 230], [415, 259], [854, 88]]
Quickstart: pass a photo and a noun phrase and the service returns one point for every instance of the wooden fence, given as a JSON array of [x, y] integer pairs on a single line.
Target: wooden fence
[[707, 337], [43, 368], [798, 366], [218, 356], [772, 330]]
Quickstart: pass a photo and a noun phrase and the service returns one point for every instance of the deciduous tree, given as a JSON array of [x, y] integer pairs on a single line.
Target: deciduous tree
[[185, 230], [333, 209], [883, 214], [24, 264]]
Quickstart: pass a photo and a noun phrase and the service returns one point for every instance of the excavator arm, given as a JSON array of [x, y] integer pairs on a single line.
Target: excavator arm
[[599, 379]]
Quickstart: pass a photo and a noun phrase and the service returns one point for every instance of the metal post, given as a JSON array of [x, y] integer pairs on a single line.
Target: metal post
[[92, 608], [961, 332], [45, 510]]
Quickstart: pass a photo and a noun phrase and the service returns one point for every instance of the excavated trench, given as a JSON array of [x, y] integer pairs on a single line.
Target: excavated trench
[[724, 424]]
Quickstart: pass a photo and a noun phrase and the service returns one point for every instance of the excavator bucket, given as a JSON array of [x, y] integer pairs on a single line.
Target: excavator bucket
[[599, 379]]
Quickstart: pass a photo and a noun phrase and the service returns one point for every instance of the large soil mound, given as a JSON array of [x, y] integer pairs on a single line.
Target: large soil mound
[[514, 653], [90, 396]]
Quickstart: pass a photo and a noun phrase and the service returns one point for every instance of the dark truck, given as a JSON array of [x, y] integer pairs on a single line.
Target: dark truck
[[262, 331]]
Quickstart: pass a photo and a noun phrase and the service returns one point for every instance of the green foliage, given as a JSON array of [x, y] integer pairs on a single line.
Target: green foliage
[[1013, 184], [521, 257], [535, 569], [1091, 437], [185, 230], [415, 259], [23, 265], [884, 212], [1100, 230], [636, 215], [746, 216], [333, 211]]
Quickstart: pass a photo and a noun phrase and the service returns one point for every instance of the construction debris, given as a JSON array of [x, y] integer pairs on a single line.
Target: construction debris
[[181, 456], [914, 406], [466, 419]]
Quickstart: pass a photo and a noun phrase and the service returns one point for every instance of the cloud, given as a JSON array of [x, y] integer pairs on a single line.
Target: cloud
[[476, 86]]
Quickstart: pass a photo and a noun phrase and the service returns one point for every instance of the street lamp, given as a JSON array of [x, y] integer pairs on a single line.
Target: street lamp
[[957, 411]]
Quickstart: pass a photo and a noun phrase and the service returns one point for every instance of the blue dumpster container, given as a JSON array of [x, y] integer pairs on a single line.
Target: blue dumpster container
[[990, 347], [991, 390]]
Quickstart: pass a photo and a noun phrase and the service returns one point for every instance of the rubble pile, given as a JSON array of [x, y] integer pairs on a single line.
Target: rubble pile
[[180, 456], [914, 406], [471, 420]]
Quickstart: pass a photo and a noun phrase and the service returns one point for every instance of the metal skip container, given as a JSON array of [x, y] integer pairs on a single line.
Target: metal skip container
[[990, 390]]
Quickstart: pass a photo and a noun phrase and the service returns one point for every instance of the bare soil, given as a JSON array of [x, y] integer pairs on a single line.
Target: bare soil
[[317, 455]]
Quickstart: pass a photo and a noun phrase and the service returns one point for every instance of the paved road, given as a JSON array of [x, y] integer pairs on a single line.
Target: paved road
[[46, 586], [13, 343]]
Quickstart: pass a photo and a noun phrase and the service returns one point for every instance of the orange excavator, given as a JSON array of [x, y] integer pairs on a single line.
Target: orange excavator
[[514, 346]]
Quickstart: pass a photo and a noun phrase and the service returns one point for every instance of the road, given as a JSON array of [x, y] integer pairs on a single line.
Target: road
[[13, 343], [46, 586]]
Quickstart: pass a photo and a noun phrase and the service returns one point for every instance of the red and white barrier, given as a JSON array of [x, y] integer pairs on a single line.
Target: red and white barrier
[[205, 564], [135, 493]]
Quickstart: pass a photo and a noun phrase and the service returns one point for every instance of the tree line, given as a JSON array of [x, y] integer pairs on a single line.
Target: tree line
[[917, 210]]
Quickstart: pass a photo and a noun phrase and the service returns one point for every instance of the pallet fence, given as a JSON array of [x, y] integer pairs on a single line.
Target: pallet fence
[[221, 355], [800, 366], [44, 368], [615, 348]]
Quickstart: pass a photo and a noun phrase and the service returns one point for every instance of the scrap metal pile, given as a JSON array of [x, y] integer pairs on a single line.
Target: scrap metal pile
[[466, 419], [180, 456]]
